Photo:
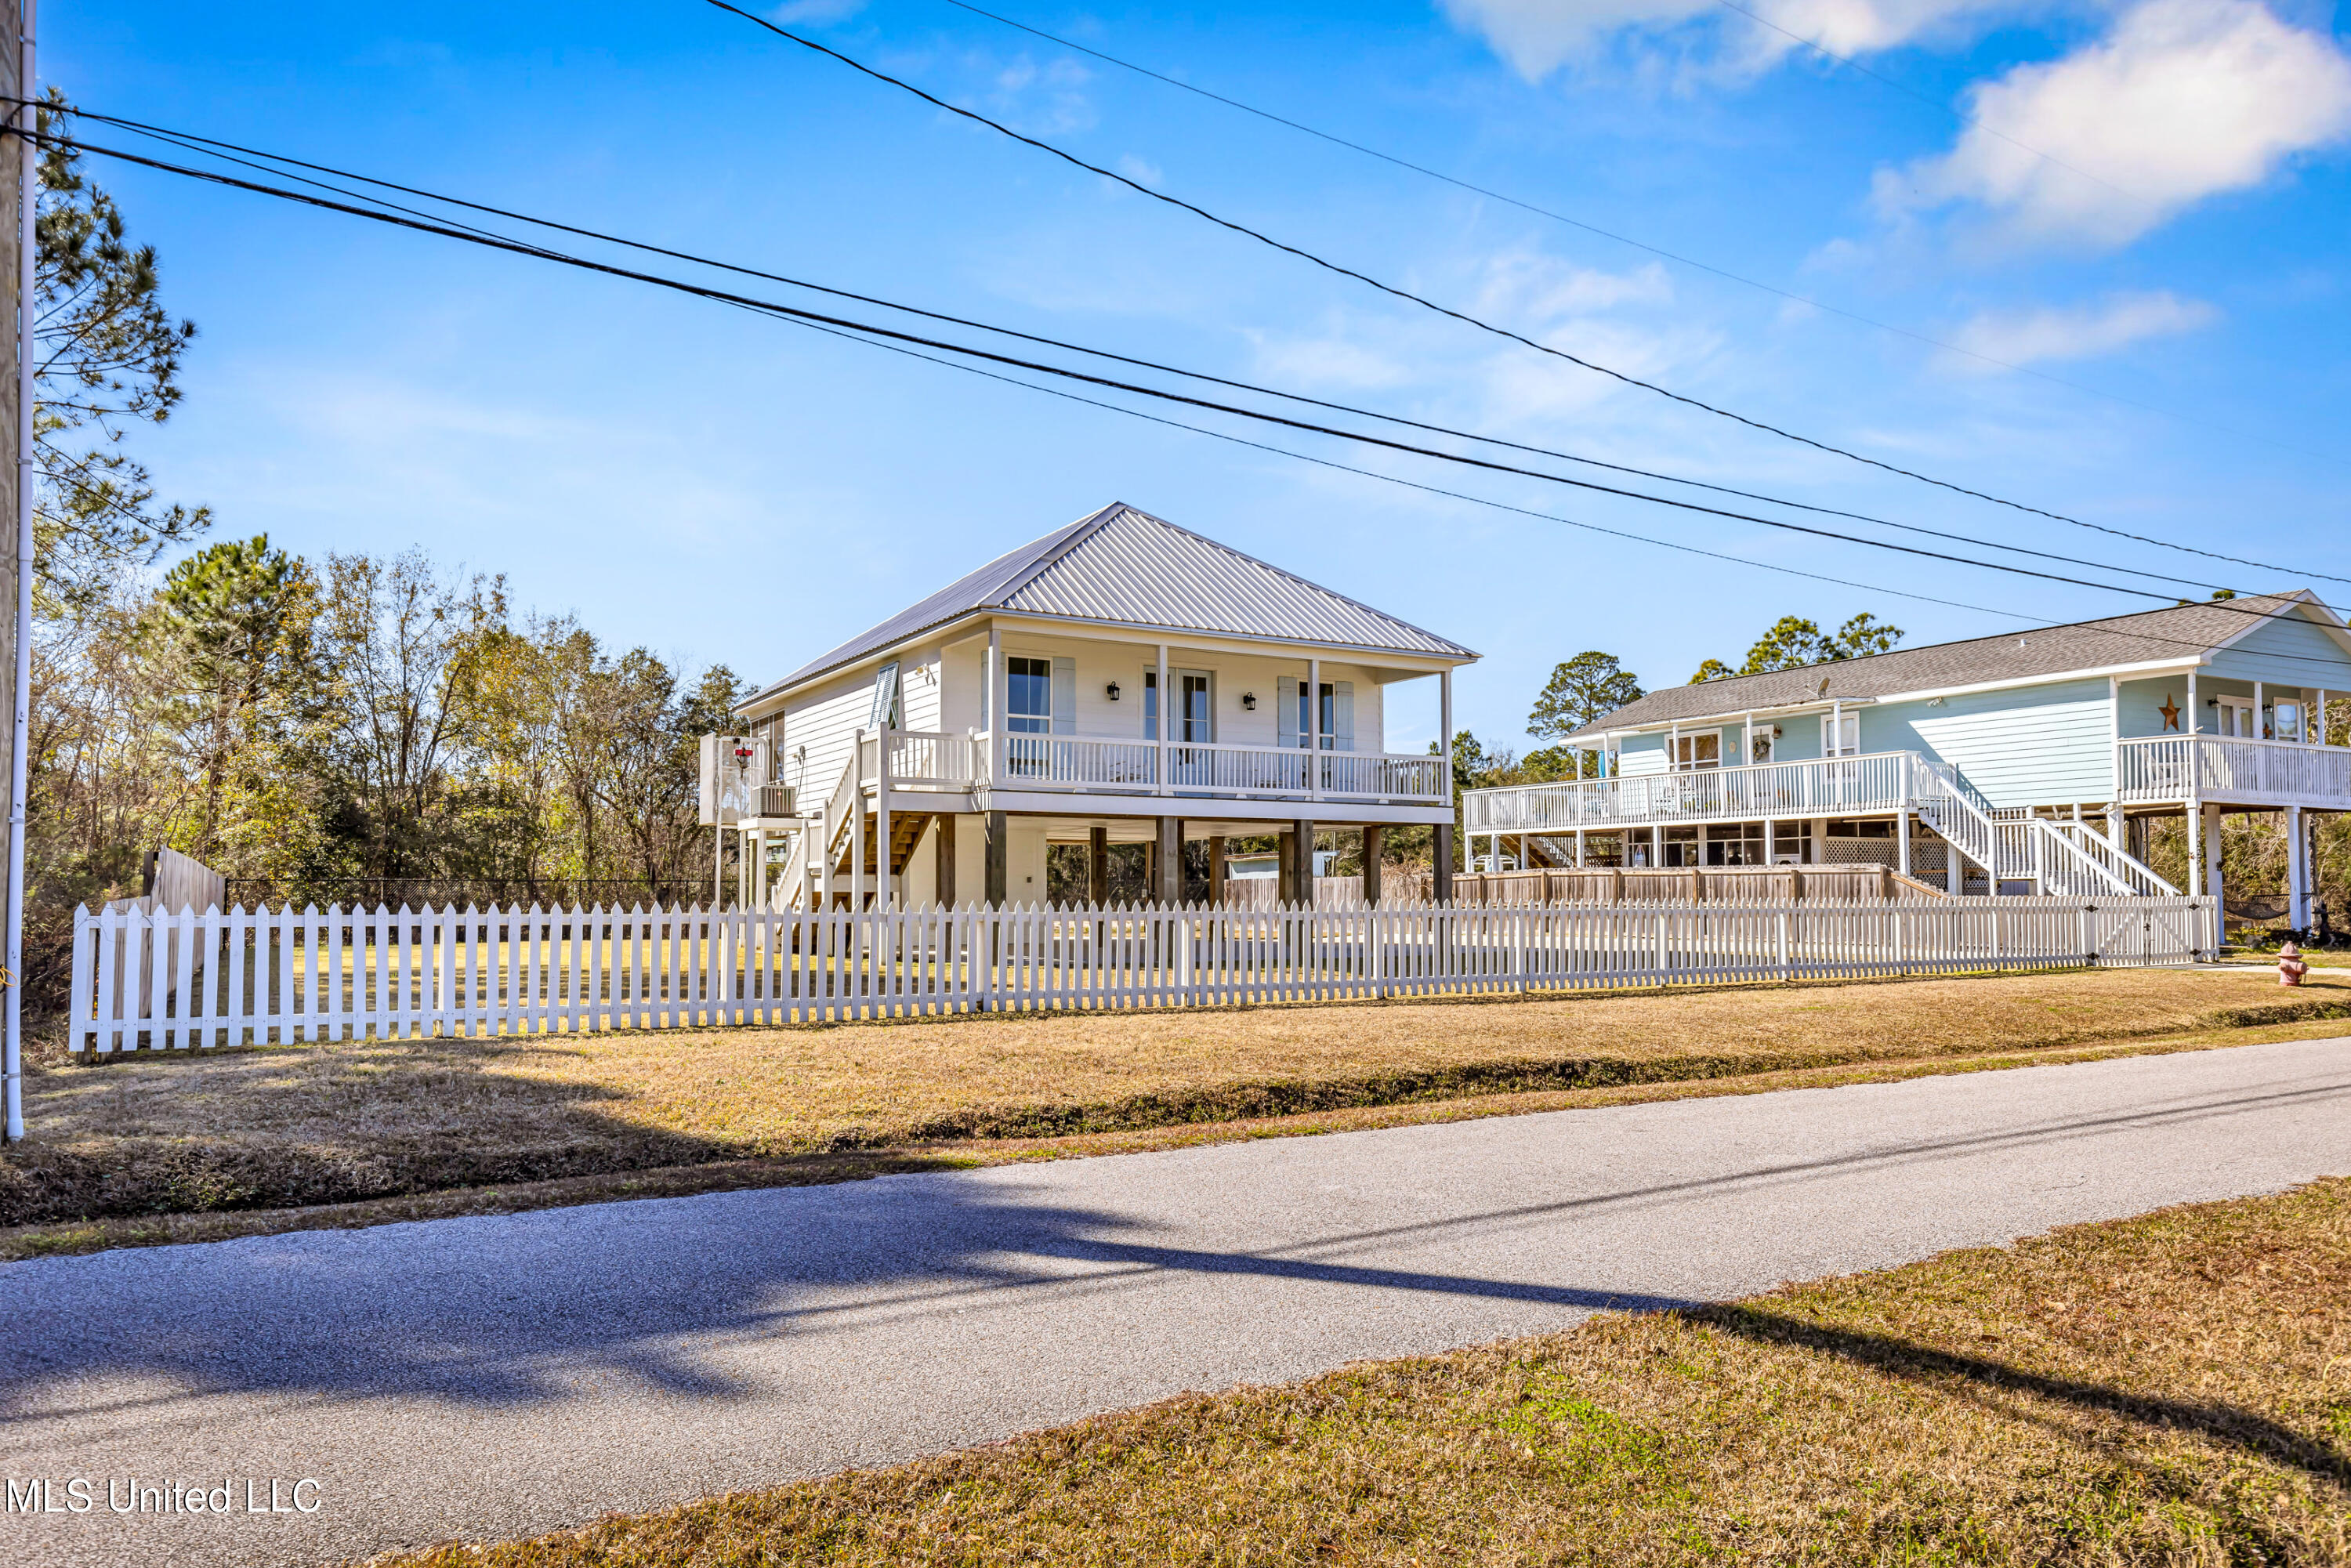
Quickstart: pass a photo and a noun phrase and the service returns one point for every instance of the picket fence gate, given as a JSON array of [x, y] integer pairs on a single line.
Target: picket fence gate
[[250, 976]]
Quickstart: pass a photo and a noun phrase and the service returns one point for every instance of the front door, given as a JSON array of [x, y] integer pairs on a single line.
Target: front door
[[2236, 719]]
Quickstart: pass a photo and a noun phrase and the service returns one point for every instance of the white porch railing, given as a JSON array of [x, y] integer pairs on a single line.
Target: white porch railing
[[1078, 762], [264, 976], [1382, 775], [1239, 769], [1880, 781], [2167, 767]]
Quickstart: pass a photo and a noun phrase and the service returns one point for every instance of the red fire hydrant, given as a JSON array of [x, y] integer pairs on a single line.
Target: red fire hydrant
[[2291, 968]]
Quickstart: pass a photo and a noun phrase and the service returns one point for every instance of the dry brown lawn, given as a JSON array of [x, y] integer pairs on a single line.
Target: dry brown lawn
[[275, 1128], [2171, 1389]]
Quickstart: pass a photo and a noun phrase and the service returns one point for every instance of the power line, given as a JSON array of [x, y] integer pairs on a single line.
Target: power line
[[873, 334], [190, 141], [1559, 217], [1503, 332], [475, 237]]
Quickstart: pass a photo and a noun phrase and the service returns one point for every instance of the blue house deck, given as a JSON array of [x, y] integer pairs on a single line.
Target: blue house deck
[[2031, 761]]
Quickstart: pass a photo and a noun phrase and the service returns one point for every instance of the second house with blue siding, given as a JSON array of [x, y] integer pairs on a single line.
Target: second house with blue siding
[[2027, 762]]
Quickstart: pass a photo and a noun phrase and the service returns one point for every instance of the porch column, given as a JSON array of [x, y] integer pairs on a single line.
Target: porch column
[[822, 856], [1098, 866], [1216, 870], [1441, 849], [884, 859], [1656, 845], [755, 883], [1302, 833], [944, 853], [2297, 870], [2212, 878], [2191, 827], [1768, 843], [1444, 728], [1170, 890], [857, 822], [992, 712], [1819, 852], [1373, 838], [1313, 731], [1902, 841], [998, 860], [1579, 848], [1169, 703]]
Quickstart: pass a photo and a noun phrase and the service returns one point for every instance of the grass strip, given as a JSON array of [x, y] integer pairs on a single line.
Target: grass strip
[[305, 1125], [78, 1237], [2170, 1389]]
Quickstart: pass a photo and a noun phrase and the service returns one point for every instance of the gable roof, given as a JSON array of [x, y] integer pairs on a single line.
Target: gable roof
[[2176, 636], [1127, 568]]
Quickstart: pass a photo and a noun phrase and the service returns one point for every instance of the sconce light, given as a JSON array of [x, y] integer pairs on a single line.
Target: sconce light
[[1248, 701], [1777, 732], [1114, 690]]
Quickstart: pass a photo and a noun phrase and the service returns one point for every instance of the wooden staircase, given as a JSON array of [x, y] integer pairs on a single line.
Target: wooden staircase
[[906, 831]]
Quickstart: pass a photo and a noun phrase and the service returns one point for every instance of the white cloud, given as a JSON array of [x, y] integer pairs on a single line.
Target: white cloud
[[1140, 172], [1537, 36], [1532, 287], [2183, 100], [1326, 362], [2026, 336], [1041, 100], [818, 11]]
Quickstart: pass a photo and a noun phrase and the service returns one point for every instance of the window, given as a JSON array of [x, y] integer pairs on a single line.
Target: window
[[1198, 722], [1337, 715], [1195, 714], [2286, 719], [1698, 751], [1029, 696], [1840, 739]]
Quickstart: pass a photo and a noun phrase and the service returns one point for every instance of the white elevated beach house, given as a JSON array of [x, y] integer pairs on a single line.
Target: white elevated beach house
[[1122, 680], [2027, 762]]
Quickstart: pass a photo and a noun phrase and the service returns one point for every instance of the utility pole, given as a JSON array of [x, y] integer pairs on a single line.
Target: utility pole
[[18, 254]]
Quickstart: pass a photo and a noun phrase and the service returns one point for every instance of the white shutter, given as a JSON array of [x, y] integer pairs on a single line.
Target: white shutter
[[1342, 715], [1285, 706], [1065, 696], [885, 697]]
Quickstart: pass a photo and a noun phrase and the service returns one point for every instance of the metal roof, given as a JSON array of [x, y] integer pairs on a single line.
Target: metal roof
[[1126, 567], [2179, 634]]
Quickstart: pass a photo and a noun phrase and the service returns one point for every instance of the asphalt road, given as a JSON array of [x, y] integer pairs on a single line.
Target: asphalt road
[[499, 1377]]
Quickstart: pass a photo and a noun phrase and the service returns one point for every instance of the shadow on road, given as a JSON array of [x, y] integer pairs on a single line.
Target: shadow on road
[[547, 1307]]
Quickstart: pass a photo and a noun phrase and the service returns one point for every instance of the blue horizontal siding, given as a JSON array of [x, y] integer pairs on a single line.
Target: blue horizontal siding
[[2288, 650], [2026, 746]]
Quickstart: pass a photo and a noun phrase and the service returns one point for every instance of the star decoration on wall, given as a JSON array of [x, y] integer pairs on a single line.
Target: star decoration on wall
[[2170, 712]]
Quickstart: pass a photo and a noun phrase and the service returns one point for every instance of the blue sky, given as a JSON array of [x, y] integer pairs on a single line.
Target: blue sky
[[2145, 198]]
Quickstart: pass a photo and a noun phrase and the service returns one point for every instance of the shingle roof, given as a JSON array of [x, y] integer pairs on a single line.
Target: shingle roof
[[1128, 567], [2183, 632]]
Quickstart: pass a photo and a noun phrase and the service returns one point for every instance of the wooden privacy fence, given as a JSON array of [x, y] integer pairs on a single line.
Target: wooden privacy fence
[[254, 976]]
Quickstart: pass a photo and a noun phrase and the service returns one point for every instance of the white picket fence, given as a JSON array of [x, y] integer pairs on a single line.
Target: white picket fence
[[260, 975]]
